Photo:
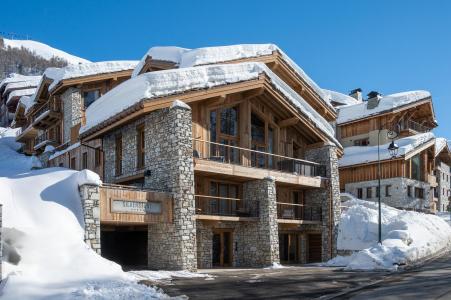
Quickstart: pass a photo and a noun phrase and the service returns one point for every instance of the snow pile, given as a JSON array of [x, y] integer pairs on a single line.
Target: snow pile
[[406, 236], [162, 276], [339, 98], [149, 86], [43, 236], [87, 69], [44, 51], [386, 103], [364, 154], [20, 93], [215, 55]]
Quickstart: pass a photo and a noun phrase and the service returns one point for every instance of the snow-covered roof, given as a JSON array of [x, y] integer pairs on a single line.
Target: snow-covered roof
[[26, 102], [340, 98], [14, 77], [23, 84], [44, 51], [363, 154], [87, 69], [388, 103], [215, 55], [153, 85], [20, 93], [440, 144]]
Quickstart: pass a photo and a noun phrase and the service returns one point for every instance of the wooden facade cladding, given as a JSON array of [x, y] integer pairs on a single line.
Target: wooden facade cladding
[[108, 194]]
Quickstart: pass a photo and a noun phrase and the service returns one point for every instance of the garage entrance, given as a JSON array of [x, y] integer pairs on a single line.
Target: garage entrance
[[125, 245]]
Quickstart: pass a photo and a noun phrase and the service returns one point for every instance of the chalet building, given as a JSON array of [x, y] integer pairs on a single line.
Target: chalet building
[[442, 174], [11, 89], [240, 137], [49, 120], [407, 180]]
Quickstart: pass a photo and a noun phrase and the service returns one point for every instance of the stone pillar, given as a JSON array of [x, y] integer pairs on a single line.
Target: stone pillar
[[169, 158], [90, 201], [261, 242], [328, 197]]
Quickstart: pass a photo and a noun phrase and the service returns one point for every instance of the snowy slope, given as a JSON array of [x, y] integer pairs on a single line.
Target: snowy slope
[[44, 51], [407, 236], [42, 223]]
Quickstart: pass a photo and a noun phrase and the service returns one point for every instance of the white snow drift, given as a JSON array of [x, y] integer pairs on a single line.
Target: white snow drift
[[43, 231], [407, 236]]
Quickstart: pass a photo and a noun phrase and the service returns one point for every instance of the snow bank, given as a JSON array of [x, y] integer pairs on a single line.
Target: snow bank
[[149, 86], [42, 216], [407, 236], [44, 51], [387, 103], [215, 55], [364, 154]]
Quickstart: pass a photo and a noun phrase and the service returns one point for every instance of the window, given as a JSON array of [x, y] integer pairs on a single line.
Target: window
[[362, 142], [84, 160], [359, 193], [97, 157], [419, 193], [223, 206], [90, 96], [387, 190], [377, 191], [61, 165], [224, 130], [118, 155], [73, 163], [416, 167], [140, 146], [369, 191], [409, 191]]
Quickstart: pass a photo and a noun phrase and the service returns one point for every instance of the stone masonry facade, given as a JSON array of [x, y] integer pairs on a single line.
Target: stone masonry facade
[[443, 176], [72, 110], [328, 197], [398, 196], [90, 198]]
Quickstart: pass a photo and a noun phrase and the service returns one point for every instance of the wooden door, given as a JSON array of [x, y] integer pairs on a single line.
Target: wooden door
[[314, 248], [289, 248], [222, 248]]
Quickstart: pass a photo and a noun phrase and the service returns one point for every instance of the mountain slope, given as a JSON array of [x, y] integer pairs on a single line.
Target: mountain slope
[[43, 50]]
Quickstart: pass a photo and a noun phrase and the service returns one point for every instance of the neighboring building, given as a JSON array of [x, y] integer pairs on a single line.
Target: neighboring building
[[11, 89], [442, 191], [245, 148], [50, 119], [407, 180]]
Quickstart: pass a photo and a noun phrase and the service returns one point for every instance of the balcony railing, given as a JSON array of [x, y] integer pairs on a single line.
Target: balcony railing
[[223, 206], [291, 211], [412, 125], [256, 159], [44, 108]]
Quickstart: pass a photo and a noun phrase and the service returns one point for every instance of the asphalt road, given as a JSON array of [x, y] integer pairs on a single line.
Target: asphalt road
[[431, 281]]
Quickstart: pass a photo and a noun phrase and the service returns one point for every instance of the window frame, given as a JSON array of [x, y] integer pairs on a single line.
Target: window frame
[[118, 155]]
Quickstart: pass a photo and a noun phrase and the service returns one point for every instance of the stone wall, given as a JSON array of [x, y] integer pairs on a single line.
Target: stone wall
[[90, 200], [169, 158], [72, 110], [328, 197], [398, 192], [443, 187]]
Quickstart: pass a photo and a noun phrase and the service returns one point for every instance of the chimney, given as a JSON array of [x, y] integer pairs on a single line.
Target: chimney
[[356, 94], [373, 99]]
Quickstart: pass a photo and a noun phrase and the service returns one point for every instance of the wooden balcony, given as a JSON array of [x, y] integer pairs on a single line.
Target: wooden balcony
[[25, 133], [45, 116], [298, 213], [225, 209], [215, 158], [43, 140], [408, 128]]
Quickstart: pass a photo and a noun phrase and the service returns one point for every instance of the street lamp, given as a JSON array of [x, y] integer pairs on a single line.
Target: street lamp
[[393, 150]]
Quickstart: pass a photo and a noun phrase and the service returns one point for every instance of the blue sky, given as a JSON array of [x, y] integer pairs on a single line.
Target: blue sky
[[388, 46]]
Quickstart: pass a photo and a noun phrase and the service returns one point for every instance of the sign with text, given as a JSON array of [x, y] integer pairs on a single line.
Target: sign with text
[[135, 207]]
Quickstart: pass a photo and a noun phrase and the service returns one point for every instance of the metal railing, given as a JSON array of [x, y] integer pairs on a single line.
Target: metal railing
[[257, 159], [223, 206], [409, 124], [292, 211], [44, 108]]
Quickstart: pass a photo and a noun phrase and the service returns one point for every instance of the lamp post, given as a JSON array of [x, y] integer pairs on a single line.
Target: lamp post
[[393, 150]]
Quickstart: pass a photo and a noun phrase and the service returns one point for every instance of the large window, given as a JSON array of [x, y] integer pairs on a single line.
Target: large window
[[263, 138], [118, 155], [224, 124], [369, 192], [84, 160], [416, 167], [90, 96], [223, 205], [140, 146]]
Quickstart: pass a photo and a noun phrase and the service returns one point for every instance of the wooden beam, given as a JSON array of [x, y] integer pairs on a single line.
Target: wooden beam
[[288, 122]]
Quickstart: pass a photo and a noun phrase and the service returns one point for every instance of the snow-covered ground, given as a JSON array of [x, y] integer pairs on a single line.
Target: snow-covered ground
[[407, 236], [44, 253]]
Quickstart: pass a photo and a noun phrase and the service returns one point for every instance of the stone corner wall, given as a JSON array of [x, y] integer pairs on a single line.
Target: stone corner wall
[[329, 197], [72, 110], [90, 201]]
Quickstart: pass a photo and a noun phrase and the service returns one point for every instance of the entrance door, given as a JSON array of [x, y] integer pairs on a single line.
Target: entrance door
[[314, 248], [222, 248], [289, 248]]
